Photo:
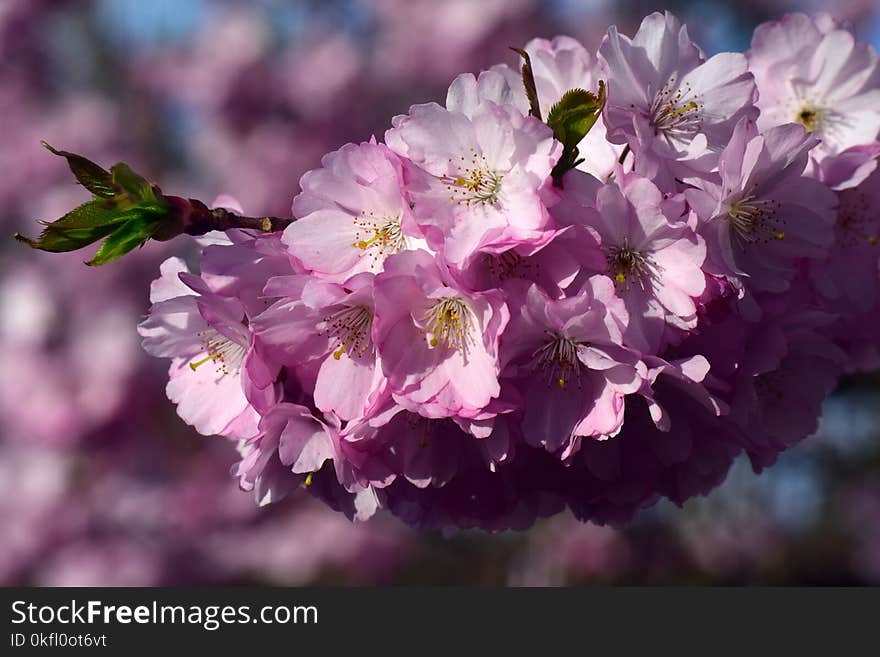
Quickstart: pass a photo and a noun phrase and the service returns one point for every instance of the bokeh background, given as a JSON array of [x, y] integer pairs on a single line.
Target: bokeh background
[[101, 484]]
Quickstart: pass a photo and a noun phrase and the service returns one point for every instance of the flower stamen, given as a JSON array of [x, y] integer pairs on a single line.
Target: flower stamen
[[227, 355], [755, 221], [474, 184], [558, 359], [448, 322], [854, 225], [810, 116], [380, 237], [628, 266], [676, 111], [349, 328], [510, 264], [812, 111]]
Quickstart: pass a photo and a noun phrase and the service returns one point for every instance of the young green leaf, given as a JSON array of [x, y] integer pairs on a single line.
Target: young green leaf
[[91, 176], [575, 114], [131, 234], [78, 228], [571, 119], [56, 241], [138, 188], [125, 211]]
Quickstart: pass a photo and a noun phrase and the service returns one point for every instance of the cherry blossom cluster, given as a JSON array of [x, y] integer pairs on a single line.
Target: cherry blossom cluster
[[460, 331]]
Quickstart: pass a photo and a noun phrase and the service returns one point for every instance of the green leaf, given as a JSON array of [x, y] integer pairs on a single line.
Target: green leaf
[[78, 228], [528, 78], [138, 189], [129, 235], [57, 241], [575, 114], [94, 213], [95, 220], [88, 174], [571, 119], [125, 212]]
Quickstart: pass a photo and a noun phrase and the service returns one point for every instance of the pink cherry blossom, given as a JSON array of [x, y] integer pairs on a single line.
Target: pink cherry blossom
[[567, 358], [478, 177], [812, 71], [352, 213], [323, 332], [219, 378], [654, 260], [855, 252], [438, 342], [467, 329], [764, 215], [789, 369], [673, 107], [208, 351]]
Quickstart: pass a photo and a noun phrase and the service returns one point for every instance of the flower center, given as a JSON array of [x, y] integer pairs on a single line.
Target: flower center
[[676, 111], [227, 355], [627, 266], [349, 328], [378, 237], [810, 116], [755, 221], [509, 265], [817, 116], [474, 181], [854, 226], [558, 360], [448, 322]]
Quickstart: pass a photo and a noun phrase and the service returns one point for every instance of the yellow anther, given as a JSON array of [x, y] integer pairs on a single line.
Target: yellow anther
[[197, 365], [685, 108], [558, 358], [448, 321], [474, 184], [381, 237], [349, 328]]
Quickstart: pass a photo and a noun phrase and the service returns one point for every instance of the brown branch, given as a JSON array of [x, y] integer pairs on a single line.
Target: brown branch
[[193, 217]]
